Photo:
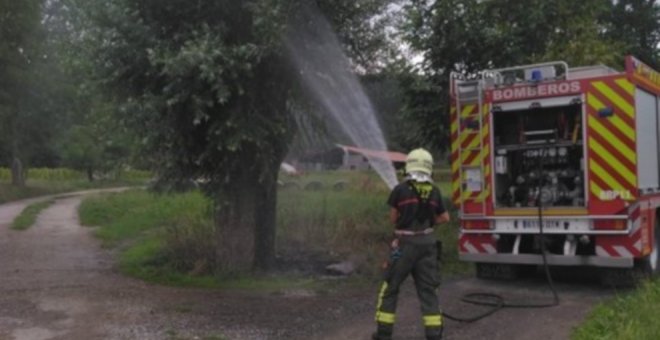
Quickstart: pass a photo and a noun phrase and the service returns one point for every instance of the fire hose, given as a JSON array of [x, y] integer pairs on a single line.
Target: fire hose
[[496, 301]]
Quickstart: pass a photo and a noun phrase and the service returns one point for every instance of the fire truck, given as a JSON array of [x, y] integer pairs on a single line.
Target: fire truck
[[557, 165]]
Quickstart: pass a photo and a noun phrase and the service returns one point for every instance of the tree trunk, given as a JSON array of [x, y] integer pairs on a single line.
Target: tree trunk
[[90, 174], [266, 222], [235, 226], [17, 173], [246, 224]]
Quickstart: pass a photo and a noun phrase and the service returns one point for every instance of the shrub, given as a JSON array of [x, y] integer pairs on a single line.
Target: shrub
[[189, 245]]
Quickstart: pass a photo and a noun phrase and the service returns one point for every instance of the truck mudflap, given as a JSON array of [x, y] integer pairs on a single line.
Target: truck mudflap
[[553, 260]]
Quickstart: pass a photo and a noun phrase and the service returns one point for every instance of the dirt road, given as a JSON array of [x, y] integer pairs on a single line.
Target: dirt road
[[57, 283]]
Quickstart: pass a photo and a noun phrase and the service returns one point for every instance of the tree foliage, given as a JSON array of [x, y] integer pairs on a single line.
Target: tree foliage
[[636, 23], [205, 86], [29, 88], [208, 88], [465, 36]]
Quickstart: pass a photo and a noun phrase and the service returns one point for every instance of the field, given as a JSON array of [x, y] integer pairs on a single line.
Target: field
[[52, 181]]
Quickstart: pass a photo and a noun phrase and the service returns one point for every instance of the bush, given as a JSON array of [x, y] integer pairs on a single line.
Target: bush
[[189, 245]]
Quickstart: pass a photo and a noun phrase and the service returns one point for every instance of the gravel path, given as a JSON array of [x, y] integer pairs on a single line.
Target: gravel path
[[56, 282]]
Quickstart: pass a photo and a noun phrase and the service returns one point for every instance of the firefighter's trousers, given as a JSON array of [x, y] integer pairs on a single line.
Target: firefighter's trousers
[[420, 261]]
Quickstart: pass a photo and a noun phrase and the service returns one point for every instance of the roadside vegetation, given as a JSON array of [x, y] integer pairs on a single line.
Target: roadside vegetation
[[630, 316], [323, 218], [42, 181], [29, 215]]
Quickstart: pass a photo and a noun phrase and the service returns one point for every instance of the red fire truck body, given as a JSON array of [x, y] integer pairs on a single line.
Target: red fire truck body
[[578, 146]]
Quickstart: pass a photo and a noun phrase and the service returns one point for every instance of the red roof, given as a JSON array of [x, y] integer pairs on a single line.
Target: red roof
[[392, 156]]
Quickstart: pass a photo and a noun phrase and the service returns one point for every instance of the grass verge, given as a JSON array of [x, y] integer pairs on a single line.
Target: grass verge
[[630, 316], [29, 215]]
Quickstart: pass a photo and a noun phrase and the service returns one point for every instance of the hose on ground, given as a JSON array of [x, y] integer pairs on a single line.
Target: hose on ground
[[496, 301]]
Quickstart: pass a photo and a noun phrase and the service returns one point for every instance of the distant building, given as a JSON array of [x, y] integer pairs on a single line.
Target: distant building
[[345, 157]]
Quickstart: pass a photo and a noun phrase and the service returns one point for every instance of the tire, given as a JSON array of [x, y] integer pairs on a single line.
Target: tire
[[619, 277]]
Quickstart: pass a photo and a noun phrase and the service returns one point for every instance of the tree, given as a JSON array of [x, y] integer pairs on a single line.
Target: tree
[[466, 36], [207, 86], [636, 23], [363, 28], [95, 142], [450, 35], [19, 52]]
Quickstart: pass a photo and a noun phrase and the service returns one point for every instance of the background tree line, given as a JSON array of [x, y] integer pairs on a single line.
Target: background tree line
[[204, 89]]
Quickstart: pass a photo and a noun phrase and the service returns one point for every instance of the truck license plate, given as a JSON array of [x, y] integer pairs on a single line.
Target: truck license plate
[[534, 224], [531, 225]]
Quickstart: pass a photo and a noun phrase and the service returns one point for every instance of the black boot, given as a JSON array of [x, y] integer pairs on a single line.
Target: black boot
[[436, 336], [380, 336], [383, 331]]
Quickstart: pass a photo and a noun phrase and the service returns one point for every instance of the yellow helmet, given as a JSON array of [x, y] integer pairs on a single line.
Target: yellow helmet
[[419, 160]]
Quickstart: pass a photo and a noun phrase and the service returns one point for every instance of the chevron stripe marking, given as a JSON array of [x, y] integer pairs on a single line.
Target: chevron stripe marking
[[625, 85], [616, 143], [615, 98], [610, 171], [613, 162], [616, 120], [467, 110], [596, 190], [597, 170], [607, 124], [623, 93], [453, 126]]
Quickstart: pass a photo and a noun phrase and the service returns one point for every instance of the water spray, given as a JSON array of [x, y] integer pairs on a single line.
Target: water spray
[[328, 76]]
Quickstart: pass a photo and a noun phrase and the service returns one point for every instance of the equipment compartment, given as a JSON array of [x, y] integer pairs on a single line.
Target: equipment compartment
[[539, 151]]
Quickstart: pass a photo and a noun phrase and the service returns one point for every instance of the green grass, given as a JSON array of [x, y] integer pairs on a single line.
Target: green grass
[[353, 222], [629, 316], [169, 239], [127, 215], [141, 260], [29, 215], [144, 260]]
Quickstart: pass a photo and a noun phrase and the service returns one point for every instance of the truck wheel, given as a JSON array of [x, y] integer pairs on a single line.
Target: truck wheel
[[619, 277]]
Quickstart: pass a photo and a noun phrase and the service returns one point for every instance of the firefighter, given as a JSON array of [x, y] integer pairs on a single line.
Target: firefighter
[[416, 206]]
